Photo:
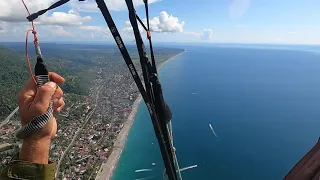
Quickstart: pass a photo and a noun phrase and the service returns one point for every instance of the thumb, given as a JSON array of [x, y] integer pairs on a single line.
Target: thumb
[[42, 99]]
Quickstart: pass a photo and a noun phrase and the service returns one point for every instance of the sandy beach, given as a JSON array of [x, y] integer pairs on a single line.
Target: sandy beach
[[106, 169], [160, 65]]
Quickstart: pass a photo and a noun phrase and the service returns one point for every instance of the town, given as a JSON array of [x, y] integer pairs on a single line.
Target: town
[[89, 124], [87, 127]]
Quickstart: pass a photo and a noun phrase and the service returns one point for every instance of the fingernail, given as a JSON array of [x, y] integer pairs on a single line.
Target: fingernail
[[52, 84]]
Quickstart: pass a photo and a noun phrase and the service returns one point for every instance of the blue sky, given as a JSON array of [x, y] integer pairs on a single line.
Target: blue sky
[[207, 21]]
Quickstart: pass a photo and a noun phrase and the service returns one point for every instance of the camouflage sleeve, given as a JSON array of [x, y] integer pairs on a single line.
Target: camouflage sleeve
[[18, 169]]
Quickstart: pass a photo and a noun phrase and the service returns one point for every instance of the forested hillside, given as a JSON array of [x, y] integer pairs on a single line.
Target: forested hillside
[[74, 62], [13, 73]]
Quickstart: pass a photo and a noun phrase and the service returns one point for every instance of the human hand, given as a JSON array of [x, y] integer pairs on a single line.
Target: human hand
[[35, 101]]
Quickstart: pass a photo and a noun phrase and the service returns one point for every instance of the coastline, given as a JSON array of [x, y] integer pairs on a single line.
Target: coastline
[[171, 58], [106, 170]]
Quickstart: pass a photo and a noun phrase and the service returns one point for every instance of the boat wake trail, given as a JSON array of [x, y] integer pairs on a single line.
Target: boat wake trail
[[151, 177], [189, 167], [214, 133], [142, 170]]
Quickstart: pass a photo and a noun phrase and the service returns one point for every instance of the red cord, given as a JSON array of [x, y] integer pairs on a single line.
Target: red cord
[[34, 32]]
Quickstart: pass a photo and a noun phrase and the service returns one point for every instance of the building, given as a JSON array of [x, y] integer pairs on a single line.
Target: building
[[6, 146]]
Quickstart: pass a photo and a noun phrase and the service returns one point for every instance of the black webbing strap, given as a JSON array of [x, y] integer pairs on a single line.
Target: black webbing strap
[[154, 68], [142, 24], [124, 52], [149, 37], [163, 113], [39, 13]]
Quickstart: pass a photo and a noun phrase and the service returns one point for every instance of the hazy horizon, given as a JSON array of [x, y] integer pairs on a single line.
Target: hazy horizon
[[234, 21]]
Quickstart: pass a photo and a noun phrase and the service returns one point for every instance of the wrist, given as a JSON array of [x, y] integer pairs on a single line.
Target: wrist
[[35, 149]]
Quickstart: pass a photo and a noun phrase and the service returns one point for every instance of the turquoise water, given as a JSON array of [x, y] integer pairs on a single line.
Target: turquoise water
[[263, 103]]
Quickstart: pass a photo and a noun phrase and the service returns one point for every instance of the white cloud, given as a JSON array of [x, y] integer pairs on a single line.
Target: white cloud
[[207, 34], [162, 23], [17, 32], [2, 29], [238, 8], [14, 11], [95, 32], [196, 34], [113, 5], [166, 23], [71, 18], [60, 31], [94, 28], [129, 28]]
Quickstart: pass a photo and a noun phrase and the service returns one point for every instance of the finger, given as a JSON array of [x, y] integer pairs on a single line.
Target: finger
[[30, 85], [57, 94], [28, 92], [42, 99], [29, 89], [56, 78], [58, 105]]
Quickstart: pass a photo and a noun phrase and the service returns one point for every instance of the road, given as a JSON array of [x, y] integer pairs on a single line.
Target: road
[[73, 140], [78, 132], [9, 117]]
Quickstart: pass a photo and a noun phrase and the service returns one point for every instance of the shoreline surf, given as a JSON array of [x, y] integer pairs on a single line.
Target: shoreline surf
[[106, 170]]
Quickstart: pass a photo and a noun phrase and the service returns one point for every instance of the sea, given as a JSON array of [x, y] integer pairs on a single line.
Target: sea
[[262, 101]]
